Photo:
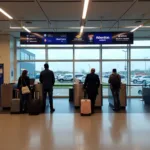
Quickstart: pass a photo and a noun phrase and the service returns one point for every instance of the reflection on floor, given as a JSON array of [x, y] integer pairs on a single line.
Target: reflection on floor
[[64, 106], [134, 106], [70, 131]]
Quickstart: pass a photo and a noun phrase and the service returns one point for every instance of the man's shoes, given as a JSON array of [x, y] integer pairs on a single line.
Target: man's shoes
[[52, 110]]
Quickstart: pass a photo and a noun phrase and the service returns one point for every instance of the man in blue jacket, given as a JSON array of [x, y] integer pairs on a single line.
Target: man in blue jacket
[[48, 80]]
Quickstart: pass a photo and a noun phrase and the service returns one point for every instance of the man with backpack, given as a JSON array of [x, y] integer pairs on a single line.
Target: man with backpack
[[115, 84]]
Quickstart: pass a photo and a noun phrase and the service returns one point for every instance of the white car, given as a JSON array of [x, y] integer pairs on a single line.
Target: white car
[[82, 79], [66, 77], [144, 79], [135, 78]]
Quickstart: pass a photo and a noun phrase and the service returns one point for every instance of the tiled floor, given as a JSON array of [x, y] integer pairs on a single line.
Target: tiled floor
[[128, 130]]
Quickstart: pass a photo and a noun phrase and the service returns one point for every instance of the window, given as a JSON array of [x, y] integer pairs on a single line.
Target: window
[[141, 43], [85, 67], [63, 72], [114, 54], [87, 54], [33, 68], [140, 53], [32, 54], [60, 54]]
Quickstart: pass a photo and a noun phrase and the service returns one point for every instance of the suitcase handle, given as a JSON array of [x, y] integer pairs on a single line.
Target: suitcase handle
[[17, 94], [38, 95]]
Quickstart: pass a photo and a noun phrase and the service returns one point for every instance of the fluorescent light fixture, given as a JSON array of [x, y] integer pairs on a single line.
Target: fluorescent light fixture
[[21, 27], [86, 4], [136, 28], [5, 13], [15, 27], [26, 29], [81, 29]]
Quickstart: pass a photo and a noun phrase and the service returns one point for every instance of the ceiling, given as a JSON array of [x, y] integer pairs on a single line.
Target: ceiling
[[65, 15]]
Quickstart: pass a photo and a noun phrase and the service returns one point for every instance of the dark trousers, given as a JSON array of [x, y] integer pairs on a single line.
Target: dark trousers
[[115, 93], [24, 100], [92, 97], [50, 95]]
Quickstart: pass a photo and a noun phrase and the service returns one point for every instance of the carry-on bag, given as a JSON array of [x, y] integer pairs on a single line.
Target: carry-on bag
[[85, 108], [15, 104], [35, 106]]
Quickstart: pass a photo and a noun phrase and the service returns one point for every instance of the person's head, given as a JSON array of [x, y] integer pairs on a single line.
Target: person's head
[[92, 70], [46, 66], [114, 70], [24, 73]]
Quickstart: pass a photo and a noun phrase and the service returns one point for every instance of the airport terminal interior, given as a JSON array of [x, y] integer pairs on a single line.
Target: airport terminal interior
[[73, 36]]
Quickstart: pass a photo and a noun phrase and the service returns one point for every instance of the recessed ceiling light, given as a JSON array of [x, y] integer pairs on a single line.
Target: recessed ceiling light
[[5, 13]]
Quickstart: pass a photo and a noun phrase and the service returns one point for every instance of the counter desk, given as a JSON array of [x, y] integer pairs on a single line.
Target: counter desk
[[123, 96], [79, 94]]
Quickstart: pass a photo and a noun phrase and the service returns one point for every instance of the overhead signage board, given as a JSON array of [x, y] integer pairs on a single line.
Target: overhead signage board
[[76, 38]]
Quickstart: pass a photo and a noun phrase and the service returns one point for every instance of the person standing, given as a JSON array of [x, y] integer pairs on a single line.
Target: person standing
[[91, 85], [115, 84], [23, 81], [48, 80]]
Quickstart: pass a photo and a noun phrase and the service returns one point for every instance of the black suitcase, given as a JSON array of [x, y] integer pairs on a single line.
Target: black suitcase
[[35, 105]]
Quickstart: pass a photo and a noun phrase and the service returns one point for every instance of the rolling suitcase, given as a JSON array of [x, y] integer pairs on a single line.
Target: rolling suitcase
[[15, 104], [85, 107], [39, 89], [35, 106]]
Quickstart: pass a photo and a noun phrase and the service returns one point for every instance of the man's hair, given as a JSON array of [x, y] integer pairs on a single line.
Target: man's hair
[[46, 66], [93, 70], [114, 70]]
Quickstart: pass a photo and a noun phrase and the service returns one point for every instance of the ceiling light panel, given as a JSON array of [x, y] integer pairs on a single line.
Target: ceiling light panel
[[5, 13]]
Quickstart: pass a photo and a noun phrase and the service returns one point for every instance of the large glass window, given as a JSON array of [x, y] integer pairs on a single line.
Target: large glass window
[[31, 54], [83, 68], [87, 54], [33, 68], [141, 43], [114, 54], [63, 72], [140, 53], [60, 54], [60, 58]]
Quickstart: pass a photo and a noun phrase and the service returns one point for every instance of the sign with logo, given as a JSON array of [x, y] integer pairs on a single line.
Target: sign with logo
[[76, 38]]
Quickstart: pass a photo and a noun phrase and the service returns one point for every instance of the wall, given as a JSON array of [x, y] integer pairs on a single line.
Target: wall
[[7, 56]]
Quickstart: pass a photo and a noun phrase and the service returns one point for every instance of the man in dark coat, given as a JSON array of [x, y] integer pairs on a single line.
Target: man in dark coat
[[115, 84], [48, 80], [91, 85]]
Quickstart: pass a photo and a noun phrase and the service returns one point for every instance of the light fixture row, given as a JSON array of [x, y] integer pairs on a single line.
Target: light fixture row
[[85, 9], [11, 18]]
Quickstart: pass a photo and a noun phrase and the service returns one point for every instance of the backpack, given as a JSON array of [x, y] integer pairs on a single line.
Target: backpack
[[115, 81]]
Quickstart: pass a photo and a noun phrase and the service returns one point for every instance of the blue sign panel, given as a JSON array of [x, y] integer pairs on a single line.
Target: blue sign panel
[[103, 38]]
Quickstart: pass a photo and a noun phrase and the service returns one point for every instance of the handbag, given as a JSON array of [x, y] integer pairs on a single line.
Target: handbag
[[25, 89]]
